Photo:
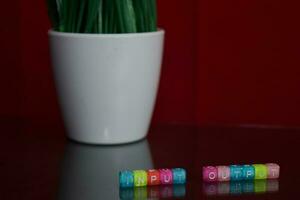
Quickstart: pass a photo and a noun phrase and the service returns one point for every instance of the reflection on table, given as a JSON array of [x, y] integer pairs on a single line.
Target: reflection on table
[[153, 192], [240, 187], [91, 172]]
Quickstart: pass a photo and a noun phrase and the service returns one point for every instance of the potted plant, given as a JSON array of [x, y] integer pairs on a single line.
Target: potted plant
[[106, 57]]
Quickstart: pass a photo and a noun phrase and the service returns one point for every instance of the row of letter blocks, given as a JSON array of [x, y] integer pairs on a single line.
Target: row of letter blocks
[[140, 178], [241, 172]]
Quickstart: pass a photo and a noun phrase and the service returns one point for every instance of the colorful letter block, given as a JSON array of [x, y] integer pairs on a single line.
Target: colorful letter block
[[223, 173], [153, 177], [236, 172], [179, 176], [210, 173], [126, 179], [140, 178], [166, 176], [273, 170], [260, 171], [248, 172]]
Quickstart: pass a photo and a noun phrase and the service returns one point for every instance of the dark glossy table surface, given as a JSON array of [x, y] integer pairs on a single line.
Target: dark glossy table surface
[[38, 162]]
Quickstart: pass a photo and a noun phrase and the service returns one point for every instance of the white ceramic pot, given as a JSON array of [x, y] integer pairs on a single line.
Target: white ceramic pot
[[106, 83]]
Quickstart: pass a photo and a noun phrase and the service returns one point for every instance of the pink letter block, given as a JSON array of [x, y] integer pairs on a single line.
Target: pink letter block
[[223, 173], [273, 170], [166, 176], [210, 173]]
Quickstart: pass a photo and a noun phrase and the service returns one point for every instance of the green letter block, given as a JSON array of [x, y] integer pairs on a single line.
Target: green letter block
[[140, 178], [261, 171]]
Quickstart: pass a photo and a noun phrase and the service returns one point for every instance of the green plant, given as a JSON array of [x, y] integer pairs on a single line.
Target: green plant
[[103, 16]]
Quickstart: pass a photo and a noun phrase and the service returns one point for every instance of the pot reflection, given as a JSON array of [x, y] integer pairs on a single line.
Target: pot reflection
[[91, 172], [240, 187]]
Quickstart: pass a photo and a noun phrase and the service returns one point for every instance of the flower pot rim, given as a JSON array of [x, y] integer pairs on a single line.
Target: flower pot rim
[[52, 32]]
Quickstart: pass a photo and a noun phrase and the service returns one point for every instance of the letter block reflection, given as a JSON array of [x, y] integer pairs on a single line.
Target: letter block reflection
[[240, 187]]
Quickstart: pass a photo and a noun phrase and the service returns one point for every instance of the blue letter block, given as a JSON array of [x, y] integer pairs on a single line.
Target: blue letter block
[[126, 179], [236, 172], [179, 176], [248, 172]]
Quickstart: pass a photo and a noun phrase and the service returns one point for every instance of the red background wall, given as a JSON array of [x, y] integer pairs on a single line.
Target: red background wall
[[248, 62], [226, 62]]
